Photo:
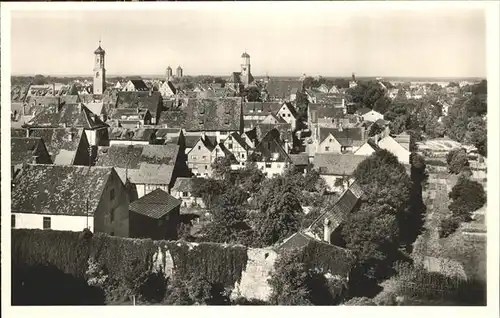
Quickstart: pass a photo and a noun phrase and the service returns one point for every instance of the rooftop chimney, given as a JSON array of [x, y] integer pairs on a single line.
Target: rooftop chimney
[[27, 133], [34, 159], [326, 230]]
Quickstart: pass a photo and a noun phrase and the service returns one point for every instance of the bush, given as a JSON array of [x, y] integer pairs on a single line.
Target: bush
[[359, 301], [448, 226], [457, 160]]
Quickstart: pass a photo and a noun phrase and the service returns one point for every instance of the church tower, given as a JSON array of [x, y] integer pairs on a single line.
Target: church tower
[[99, 71], [246, 76]]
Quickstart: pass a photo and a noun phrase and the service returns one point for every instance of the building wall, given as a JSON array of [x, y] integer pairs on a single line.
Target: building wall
[[119, 226], [165, 91], [271, 169], [164, 228], [395, 148], [287, 115], [91, 137], [220, 136], [259, 115], [364, 150], [329, 145], [188, 199], [238, 151], [58, 222], [143, 189], [199, 160]]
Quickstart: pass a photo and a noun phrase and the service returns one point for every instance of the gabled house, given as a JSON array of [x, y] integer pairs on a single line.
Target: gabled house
[[183, 190], [156, 216], [151, 101], [282, 131], [26, 150], [135, 85], [72, 116], [289, 114], [367, 149], [167, 89], [399, 150], [368, 114], [221, 151], [338, 140], [70, 198], [337, 169], [238, 147], [329, 144], [199, 158], [146, 167], [270, 155], [66, 146], [250, 138]]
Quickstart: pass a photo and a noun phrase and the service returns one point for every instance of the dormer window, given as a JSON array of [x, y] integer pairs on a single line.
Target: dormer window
[[202, 110], [228, 111], [201, 122], [226, 121]]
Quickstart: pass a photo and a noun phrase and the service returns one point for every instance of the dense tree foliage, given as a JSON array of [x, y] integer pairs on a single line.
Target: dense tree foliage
[[466, 118], [280, 211], [468, 196], [457, 160], [293, 282], [369, 94], [374, 231]]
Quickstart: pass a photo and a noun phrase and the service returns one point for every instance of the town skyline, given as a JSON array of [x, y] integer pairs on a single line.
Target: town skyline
[[437, 44]]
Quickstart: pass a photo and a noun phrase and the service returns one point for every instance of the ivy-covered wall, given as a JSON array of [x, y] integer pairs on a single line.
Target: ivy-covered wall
[[73, 255]]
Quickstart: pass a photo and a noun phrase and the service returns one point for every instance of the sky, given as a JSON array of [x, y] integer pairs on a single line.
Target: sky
[[327, 41]]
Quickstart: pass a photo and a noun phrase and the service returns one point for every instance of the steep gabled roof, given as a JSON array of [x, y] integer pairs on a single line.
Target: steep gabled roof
[[61, 190], [364, 110], [256, 108], [70, 115], [212, 114], [183, 184], [337, 164], [62, 143], [22, 149], [291, 108], [346, 136], [139, 85], [283, 89], [155, 204], [284, 130], [270, 149], [237, 138], [346, 204], [148, 100]]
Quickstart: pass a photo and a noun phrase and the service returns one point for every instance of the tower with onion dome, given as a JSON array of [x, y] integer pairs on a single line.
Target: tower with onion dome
[[99, 71]]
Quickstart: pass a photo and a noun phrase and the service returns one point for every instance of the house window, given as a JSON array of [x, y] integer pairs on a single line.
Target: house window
[[288, 115], [230, 146], [46, 223], [112, 194], [13, 220], [228, 111], [226, 121], [199, 147], [278, 165], [185, 194], [202, 111], [327, 148], [243, 155], [112, 215], [204, 157], [201, 121], [330, 140], [206, 167], [268, 165], [112, 233], [194, 157]]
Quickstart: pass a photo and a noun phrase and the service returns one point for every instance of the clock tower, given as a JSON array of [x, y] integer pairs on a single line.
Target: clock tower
[[99, 71], [246, 76]]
